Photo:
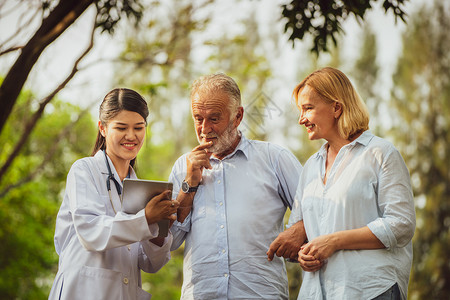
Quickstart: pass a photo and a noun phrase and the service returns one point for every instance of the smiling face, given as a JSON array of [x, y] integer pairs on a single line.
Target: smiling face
[[318, 115], [211, 113], [124, 135]]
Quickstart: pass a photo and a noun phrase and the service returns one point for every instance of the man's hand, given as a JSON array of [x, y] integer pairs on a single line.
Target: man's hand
[[196, 160], [288, 242]]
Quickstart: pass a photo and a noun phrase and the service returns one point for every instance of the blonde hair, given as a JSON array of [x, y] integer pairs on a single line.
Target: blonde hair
[[333, 86]]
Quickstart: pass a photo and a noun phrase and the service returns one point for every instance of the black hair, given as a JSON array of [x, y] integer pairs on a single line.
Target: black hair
[[115, 101]]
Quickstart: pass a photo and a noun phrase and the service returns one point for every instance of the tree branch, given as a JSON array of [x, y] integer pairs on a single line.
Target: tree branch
[[64, 14], [29, 126], [48, 156], [10, 50], [20, 27]]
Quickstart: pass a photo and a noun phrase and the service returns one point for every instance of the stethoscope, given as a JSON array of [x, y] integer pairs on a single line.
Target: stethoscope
[[108, 183]]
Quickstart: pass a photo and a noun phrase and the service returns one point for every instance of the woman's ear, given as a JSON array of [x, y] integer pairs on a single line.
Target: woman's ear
[[101, 128], [337, 110]]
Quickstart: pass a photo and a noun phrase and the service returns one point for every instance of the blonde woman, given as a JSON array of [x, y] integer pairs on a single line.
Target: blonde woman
[[354, 199]]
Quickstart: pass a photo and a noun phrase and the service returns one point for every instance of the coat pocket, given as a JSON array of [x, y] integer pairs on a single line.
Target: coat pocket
[[90, 283]]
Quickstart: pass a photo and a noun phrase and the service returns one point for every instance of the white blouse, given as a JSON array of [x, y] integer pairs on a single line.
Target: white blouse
[[368, 185]]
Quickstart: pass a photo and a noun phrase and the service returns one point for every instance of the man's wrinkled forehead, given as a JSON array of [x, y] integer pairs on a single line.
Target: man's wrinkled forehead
[[207, 99]]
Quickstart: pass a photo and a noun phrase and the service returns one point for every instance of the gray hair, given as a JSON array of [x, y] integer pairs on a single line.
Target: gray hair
[[219, 82]]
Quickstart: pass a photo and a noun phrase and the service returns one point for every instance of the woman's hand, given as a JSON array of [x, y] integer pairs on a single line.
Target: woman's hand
[[313, 255], [308, 262], [321, 247], [161, 207]]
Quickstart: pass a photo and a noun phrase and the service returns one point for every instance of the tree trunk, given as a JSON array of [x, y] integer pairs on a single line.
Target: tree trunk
[[64, 14]]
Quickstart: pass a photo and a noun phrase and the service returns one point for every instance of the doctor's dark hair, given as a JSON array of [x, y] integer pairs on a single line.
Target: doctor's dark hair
[[115, 101]]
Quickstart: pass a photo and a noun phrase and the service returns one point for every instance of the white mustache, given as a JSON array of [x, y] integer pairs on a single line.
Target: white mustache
[[209, 136]]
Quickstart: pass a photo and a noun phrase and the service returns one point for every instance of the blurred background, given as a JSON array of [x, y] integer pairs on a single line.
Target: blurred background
[[53, 82]]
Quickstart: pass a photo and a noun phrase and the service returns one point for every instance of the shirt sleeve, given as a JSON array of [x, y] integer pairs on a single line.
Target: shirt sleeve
[[395, 227], [296, 211], [288, 170], [96, 230], [178, 229]]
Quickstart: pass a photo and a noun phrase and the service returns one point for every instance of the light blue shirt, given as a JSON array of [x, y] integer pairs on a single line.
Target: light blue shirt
[[368, 184], [237, 212]]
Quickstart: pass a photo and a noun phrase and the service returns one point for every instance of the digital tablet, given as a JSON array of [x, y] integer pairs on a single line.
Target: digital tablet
[[136, 194]]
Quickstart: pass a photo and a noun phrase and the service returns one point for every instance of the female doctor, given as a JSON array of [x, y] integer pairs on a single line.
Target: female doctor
[[101, 249]]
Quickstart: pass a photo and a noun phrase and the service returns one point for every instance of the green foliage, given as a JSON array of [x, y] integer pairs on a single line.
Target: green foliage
[[111, 11], [157, 62], [32, 193], [323, 19], [421, 99], [251, 71], [365, 75]]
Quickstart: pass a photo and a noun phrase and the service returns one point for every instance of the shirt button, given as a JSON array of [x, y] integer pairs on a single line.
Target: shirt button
[[221, 203], [125, 280], [221, 226], [129, 249], [218, 181], [225, 275], [223, 250]]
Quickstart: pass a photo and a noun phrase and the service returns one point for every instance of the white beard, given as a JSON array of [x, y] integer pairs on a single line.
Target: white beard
[[224, 142]]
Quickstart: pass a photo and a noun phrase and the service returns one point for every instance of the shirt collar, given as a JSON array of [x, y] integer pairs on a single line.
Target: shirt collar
[[99, 158], [363, 139]]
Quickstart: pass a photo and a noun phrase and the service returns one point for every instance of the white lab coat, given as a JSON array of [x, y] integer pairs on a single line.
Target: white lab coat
[[101, 254]]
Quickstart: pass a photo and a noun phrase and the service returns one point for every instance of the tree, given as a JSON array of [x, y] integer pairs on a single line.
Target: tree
[[365, 74], [421, 99], [320, 18], [323, 18], [28, 260], [157, 61], [58, 19], [250, 69]]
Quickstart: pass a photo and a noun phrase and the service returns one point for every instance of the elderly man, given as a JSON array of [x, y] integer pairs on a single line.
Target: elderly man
[[233, 194]]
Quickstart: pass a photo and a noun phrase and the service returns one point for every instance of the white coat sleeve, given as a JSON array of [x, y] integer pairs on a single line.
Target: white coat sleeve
[[96, 230], [152, 257]]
